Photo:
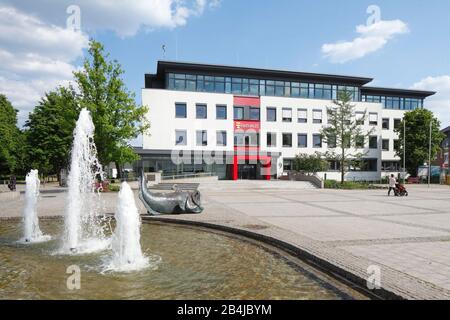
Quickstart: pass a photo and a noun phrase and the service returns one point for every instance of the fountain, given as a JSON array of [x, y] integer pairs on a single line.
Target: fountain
[[83, 231], [126, 246], [31, 231], [197, 264]]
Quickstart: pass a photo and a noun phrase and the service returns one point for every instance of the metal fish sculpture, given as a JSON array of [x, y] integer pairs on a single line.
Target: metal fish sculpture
[[177, 202]]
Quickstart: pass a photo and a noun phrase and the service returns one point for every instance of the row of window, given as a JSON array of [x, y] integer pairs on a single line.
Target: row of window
[[254, 114], [386, 145], [256, 87], [302, 141], [201, 111], [201, 137], [317, 118], [391, 166], [386, 123], [365, 165], [242, 139], [394, 102]]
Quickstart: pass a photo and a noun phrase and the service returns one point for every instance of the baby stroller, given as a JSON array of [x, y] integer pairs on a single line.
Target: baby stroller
[[400, 190]]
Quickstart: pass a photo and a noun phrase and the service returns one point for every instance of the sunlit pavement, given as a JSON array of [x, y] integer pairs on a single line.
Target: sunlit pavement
[[407, 238]]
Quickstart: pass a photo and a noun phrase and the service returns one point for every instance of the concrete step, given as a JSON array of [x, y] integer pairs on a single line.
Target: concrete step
[[170, 186]]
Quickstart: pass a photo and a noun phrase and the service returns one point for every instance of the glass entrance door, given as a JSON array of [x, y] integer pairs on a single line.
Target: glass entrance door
[[247, 171]]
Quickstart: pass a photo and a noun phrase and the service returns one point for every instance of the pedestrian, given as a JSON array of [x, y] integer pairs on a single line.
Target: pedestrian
[[12, 183], [392, 185]]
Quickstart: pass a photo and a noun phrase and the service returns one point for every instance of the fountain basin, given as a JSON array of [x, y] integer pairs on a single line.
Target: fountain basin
[[195, 264]]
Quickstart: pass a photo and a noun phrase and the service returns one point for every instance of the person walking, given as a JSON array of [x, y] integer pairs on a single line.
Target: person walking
[[392, 185], [12, 183]]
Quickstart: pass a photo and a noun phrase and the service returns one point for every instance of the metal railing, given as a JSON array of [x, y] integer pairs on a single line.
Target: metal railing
[[188, 175]]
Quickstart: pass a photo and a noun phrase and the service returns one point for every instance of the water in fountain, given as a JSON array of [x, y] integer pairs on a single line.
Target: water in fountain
[[31, 231], [127, 253], [83, 229]]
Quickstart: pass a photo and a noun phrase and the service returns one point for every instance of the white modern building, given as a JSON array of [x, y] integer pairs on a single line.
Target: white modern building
[[247, 123]]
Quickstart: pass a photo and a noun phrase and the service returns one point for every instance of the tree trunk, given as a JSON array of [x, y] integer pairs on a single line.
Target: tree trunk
[[342, 166], [119, 171]]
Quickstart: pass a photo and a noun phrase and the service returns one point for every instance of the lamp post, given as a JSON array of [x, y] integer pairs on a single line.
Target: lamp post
[[404, 150], [429, 155]]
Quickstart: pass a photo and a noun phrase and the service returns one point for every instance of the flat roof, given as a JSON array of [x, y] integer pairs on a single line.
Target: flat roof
[[396, 92], [166, 66], [215, 69]]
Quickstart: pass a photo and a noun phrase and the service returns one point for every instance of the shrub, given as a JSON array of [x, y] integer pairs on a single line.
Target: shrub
[[114, 187], [310, 164], [348, 185]]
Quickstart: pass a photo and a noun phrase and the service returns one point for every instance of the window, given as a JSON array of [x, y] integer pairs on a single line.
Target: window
[[390, 166], [359, 118], [180, 137], [271, 139], [373, 119], [396, 145], [272, 114], [334, 165], [202, 138], [331, 141], [397, 123], [302, 140], [288, 164], [347, 141], [246, 139], [238, 113], [368, 165], [221, 112], [373, 142], [330, 114], [385, 144], [385, 124], [201, 111], [254, 114], [221, 138], [317, 141], [287, 140], [180, 110], [287, 115], [359, 142], [302, 115], [317, 116]]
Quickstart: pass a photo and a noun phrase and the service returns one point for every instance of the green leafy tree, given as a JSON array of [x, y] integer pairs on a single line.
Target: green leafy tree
[[344, 133], [116, 116], [49, 131], [417, 124], [310, 164], [10, 138]]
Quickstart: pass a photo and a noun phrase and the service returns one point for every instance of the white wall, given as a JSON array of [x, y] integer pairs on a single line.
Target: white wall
[[390, 134], [279, 127], [163, 123]]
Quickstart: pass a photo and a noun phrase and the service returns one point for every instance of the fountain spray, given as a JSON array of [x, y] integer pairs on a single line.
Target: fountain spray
[[82, 223], [31, 230], [127, 253]]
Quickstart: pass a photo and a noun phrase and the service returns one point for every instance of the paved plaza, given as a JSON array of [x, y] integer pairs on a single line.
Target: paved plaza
[[407, 238]]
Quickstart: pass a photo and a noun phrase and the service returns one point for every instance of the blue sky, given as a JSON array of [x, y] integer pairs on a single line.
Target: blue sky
[[407, 48]]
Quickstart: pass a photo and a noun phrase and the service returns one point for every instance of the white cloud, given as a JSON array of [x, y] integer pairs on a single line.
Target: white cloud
[[38, 52], [371, 38], [440, 102], [35, 57], [125, 18]]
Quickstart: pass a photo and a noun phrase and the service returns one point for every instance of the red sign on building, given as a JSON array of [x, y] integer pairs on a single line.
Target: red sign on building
[[247, 125]]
